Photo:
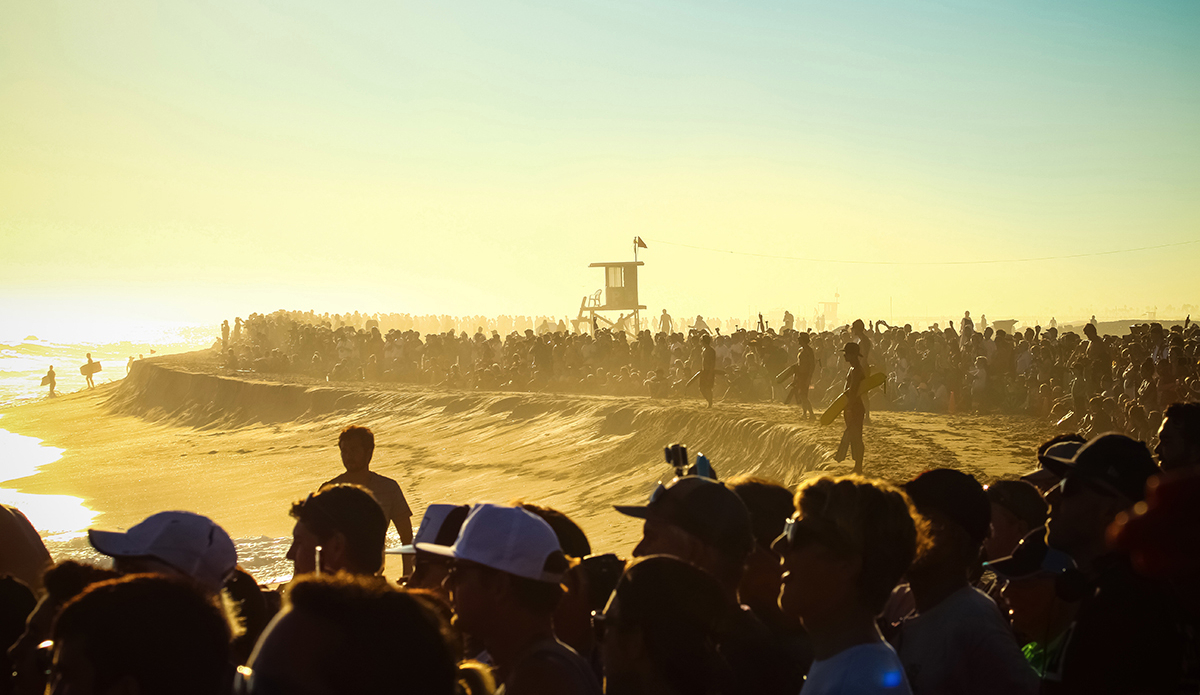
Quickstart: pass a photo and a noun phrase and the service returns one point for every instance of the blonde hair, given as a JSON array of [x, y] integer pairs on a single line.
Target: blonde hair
[[876, 521]]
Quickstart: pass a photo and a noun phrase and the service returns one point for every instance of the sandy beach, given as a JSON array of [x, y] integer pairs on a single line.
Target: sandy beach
[[179, 433]]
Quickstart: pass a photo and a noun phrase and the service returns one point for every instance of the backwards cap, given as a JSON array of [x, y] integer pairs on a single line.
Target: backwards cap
[[508, 539], [704, 508], [189, 542], [439, 525], [1111, 460]]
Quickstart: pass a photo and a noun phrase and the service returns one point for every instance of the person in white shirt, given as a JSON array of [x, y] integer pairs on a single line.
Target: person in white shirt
[[843, 552], [956, 642]]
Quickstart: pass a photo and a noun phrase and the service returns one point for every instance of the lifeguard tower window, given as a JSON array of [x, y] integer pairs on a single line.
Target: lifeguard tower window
[[616, 277]]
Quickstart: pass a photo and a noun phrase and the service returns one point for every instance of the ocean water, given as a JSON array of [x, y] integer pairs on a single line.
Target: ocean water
[[63, 520]]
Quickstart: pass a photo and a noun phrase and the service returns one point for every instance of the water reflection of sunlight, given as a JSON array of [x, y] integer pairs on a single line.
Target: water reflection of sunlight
[[20, 456]]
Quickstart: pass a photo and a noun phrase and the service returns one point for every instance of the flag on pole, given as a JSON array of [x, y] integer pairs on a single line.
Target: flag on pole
[[638, 241]]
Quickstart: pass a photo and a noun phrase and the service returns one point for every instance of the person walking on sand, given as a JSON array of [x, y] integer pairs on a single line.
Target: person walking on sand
[[708, 368], [805, 366], [665, 324], [90, 371], [855, 412], [51, 379], [357, 445]]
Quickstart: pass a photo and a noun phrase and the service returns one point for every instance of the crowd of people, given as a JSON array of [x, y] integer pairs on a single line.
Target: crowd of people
[[1090, 382], [1083, 576]]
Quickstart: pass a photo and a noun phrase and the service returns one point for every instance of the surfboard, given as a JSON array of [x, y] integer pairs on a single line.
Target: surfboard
[[89, 368], [839, 404], [45, 380], [782, 376]]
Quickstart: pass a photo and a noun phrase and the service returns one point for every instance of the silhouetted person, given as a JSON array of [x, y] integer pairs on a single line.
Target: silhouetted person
[[665, 324], [855, 412], [661, 630], [505, 584], [340, 528], [129, 364], [225, 335], [348, 634], [859, 331], [806, 364], [708, 368], [843, 552], [141, 634], [357, 445], [51, 379], [801, 374], [1178, 437], [90, 371], [1124, 638]]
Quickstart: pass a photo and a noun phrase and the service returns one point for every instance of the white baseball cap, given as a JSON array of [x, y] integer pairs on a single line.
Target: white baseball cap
[[439, 525], [189, 542], [508, 539]]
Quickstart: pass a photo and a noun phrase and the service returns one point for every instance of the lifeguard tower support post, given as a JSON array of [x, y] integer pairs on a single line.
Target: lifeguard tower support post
[[620, 294]]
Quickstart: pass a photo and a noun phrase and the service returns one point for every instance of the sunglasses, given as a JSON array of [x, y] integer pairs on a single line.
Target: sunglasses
[[1075, 484], [600, 625], [800, 533]]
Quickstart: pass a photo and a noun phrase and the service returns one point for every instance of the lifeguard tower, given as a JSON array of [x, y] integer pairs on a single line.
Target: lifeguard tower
[[620, 293]]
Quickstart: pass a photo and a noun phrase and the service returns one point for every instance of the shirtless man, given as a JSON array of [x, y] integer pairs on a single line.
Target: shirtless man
[[859, 331], [357, 444], [52, 380], [855, 411], [805, 365], [665, 324], [708, 368]]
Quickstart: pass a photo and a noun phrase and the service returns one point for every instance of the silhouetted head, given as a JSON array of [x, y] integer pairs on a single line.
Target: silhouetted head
[[141, 633], [347, 524], [357, 445]]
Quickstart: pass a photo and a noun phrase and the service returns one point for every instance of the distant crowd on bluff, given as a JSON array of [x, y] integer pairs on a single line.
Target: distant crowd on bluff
[[1093, 383]]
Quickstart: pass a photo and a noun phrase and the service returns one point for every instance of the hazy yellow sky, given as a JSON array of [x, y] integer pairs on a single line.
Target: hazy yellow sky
[[193, 161]]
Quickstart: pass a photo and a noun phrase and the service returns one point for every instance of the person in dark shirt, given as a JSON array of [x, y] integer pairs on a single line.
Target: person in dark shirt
[[1125, 638], [703, 522]]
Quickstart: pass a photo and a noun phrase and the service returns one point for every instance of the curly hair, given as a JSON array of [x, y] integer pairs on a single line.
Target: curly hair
[[875, 521]]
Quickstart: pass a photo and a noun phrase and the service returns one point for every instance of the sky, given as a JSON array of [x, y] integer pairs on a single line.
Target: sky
[[188, 162]]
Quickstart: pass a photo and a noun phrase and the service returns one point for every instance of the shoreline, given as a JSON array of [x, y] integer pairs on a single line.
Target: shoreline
[[178, 434]]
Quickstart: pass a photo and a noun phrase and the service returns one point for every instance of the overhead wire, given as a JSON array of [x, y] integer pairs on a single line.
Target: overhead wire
[[970, 262]]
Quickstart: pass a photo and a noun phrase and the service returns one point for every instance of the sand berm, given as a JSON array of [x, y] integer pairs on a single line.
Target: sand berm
[[180, 432]]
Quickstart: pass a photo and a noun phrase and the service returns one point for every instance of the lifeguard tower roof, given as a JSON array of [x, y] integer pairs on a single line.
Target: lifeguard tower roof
[[620, 286]]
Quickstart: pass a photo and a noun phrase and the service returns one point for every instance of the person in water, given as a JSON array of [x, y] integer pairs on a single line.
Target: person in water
[[52, 380]]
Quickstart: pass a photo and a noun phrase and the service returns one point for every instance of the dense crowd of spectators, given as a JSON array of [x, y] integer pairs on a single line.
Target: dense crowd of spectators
[[1081, 577], [1098, 383]]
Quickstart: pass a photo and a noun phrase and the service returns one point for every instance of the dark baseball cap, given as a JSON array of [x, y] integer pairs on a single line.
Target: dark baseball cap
[[1030, 558], [1113, 461], [704, 508], [957, 495], [1021, 498], [1042, 476]]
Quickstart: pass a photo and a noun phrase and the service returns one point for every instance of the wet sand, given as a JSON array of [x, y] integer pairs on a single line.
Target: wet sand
[[178, 433]]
